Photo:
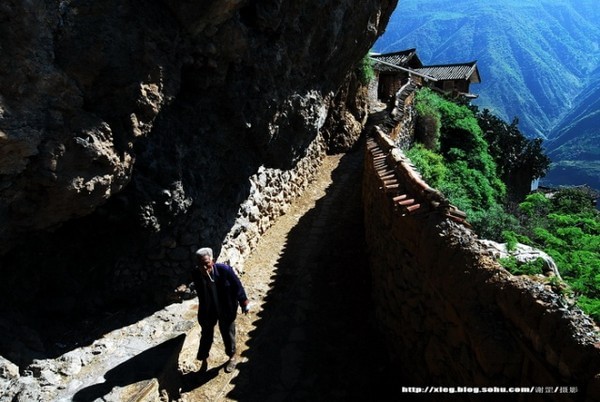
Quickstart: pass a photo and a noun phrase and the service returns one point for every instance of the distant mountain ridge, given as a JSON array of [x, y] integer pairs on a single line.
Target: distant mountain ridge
[[575, 142], [538, 60]]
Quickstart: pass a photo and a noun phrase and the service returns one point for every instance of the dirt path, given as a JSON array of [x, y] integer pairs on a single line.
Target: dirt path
[[310, 335]]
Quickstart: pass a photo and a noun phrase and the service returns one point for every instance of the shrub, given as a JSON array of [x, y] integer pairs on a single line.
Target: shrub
[[572, 239], [429, 120], [366, 73], [429, 164], [510, 239], [492, 222], [566, 227], [535, 204], [515, 267], [572, 200], [460, 165], [591, 306]]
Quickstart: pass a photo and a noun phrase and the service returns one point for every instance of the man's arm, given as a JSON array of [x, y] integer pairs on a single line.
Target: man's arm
[[240, 292]]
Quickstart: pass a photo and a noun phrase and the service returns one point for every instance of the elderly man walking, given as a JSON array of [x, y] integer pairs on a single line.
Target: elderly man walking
[[219, 291]]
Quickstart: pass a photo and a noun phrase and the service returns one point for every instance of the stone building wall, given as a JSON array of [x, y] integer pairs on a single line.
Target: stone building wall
[[451, 315], [373, 84]]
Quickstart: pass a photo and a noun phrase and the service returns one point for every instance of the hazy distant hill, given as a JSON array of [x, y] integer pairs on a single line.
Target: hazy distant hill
[[537, 58], [575, 142]]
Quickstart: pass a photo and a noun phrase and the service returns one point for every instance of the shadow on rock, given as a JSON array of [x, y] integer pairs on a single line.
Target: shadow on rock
[[194, 380], [316, 338], [158, 362]]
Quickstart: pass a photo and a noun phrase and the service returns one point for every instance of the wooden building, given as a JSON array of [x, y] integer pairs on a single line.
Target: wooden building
[[392, 71], [451, 78]]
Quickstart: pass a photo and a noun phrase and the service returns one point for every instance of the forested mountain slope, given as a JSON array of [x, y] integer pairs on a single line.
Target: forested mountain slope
[[574, 142], [538, 60]]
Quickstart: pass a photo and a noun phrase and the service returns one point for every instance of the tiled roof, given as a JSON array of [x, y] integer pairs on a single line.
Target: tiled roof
[[459, 71], [401, 58]]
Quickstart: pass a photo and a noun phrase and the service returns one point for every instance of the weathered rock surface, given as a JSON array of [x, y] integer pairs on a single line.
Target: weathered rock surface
[[126, 359], [133, 132], [90, 91], [523, 254]]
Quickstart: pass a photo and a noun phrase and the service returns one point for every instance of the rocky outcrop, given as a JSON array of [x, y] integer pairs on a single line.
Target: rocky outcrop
[[133, 132], [348, 115], [76, 93], [523, 254], [88, 90]]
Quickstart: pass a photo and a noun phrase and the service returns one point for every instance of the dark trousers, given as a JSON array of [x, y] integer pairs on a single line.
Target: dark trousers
[[227, 329]]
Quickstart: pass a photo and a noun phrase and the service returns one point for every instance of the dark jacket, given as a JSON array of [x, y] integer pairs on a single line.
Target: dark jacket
[[230, 292]]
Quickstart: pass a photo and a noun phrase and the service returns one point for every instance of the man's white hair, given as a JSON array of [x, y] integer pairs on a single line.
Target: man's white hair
[[201, 252]]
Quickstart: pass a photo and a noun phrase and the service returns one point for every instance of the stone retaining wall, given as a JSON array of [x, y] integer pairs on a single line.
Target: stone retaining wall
[[451, 315], [271, 193], [264, 196]]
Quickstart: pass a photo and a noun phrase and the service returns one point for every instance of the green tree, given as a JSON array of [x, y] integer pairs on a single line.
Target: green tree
[[573, 200], [519, 160], [467, 159], [459, 164]]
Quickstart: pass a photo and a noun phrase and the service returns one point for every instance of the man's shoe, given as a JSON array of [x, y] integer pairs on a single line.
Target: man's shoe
[[203, 366], [230, 366]]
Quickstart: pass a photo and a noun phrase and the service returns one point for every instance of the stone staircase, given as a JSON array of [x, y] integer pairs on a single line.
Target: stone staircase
[[403, 93]]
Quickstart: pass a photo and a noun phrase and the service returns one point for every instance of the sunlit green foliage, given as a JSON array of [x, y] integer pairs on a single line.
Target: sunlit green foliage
[[535, 204], [366, 74], [591, 306], [567, 228], [431, 165], [458, 162], [429, 120], [514, 154], [534, 267], [459, 165], [573, 200]]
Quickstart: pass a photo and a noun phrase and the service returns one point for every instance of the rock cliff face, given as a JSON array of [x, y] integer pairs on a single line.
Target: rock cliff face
[[133, 131]]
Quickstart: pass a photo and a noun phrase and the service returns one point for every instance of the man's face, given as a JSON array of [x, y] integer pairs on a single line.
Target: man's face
[[206, 263]]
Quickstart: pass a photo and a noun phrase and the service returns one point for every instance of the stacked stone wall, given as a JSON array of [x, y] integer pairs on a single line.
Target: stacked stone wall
[[271, 192], [450, 314]]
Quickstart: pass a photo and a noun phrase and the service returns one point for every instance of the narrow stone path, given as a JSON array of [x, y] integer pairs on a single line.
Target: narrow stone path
[[311, 335]]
